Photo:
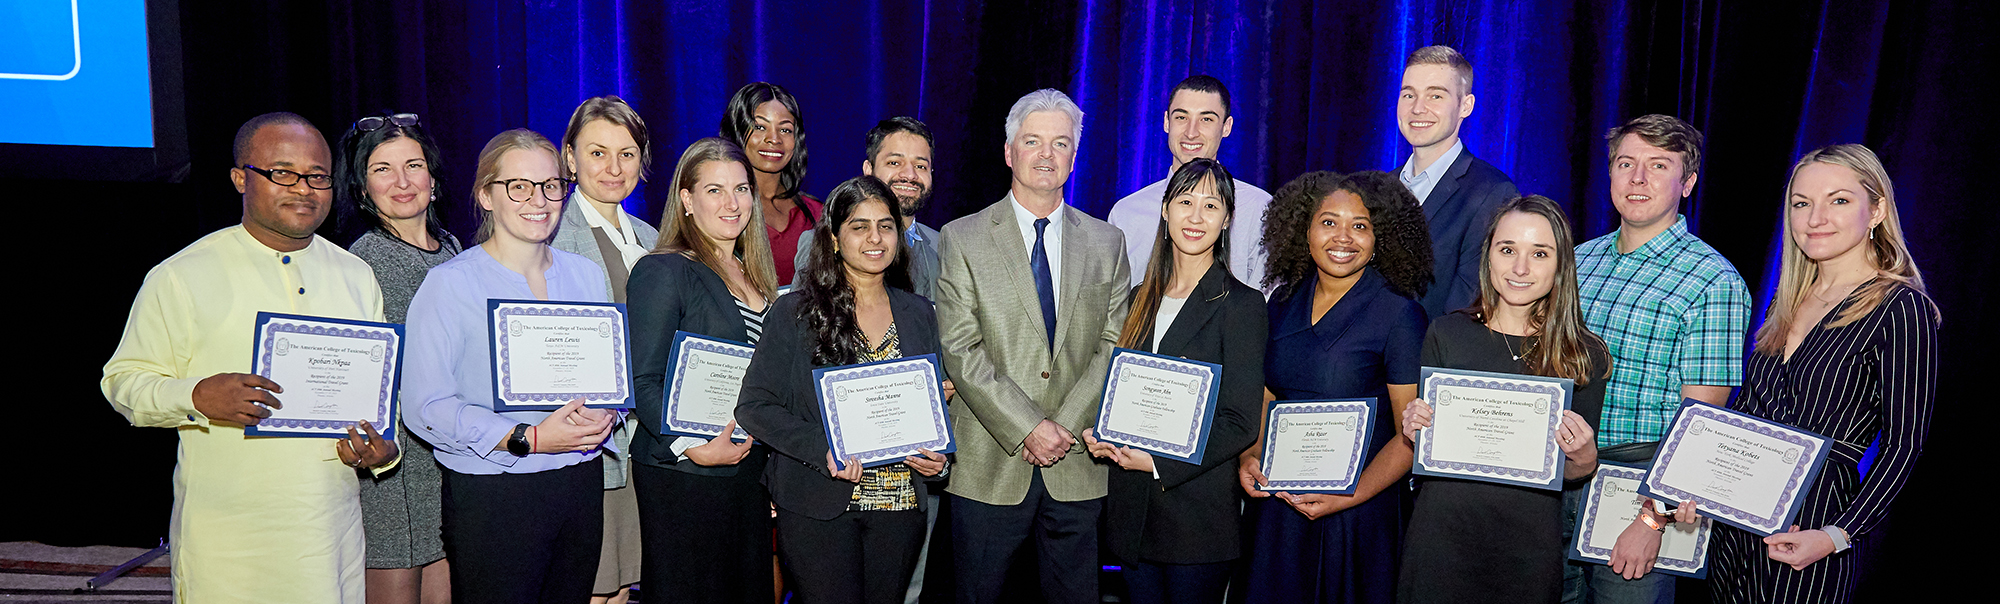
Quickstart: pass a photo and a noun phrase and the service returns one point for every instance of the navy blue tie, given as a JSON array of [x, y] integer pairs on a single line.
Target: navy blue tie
[[1045, 286]]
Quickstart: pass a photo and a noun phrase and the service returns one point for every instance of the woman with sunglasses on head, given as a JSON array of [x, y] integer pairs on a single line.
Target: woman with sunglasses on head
[[606, 154], [846, 534], [764, 120], [386, 186], [704, 518], [1350, 255], [1849, 350], [1174, 524], [523, 490], [1480, 541]]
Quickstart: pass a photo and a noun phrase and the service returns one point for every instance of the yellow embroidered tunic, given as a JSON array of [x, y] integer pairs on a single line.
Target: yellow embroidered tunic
[[255, 519]]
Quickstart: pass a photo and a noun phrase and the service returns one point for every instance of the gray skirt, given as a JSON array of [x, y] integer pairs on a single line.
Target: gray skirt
[[400, 510]]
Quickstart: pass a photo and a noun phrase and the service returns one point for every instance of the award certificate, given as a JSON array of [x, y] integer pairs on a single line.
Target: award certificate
[[546, 354], [1610, 505], [335, 373], [1159, 403], [1317, 446], [1745, 471], [881, 412], [1496, 427], [704, 376]]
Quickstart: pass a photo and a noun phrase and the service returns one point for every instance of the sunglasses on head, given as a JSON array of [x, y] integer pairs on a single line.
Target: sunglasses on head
[[378, 122]]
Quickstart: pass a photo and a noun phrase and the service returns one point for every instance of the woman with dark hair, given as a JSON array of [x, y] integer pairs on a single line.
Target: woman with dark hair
[[1848, 349], [845, 534], [605, 152], [1349, 256], [523, 490], [764, 120], [704, 520], [1173, 523], [1480, 541], [386, 184]]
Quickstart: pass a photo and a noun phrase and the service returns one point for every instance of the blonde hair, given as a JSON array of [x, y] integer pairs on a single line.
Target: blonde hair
[[489, 169], [1886, 250], [680, 235], [1444, 56]]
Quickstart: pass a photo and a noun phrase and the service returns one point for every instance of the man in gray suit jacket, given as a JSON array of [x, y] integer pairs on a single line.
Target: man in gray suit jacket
[[899, 153], [1031, 297]]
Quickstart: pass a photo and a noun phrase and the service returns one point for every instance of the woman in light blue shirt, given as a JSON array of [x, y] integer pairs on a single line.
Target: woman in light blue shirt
[[523, 512]]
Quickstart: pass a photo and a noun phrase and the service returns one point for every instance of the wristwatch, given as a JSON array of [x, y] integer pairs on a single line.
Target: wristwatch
[[518, 442]]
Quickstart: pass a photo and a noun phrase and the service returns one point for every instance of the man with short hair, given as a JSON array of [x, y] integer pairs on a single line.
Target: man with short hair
[[1196, 121], [1674, 314], [1459, 192], [899, 154], [263, 519], [1030, 300]]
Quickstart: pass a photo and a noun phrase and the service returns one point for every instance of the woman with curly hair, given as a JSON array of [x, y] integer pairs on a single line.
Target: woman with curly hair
[[1348, 255]]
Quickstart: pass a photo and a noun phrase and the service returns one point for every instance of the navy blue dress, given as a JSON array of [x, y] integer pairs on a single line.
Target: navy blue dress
[[1371, 338]]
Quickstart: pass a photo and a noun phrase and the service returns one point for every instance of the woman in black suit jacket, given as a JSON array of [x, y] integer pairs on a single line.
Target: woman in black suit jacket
[[1174, 523], [845, 534], [704, 520]]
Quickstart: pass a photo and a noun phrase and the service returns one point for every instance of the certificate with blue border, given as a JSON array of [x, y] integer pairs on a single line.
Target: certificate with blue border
[[884, 411], [546, 354], [1745, 471], [1495, 427], [1317, 446], [1159, 403], [704, 375], [1610, 504], [334, 372]]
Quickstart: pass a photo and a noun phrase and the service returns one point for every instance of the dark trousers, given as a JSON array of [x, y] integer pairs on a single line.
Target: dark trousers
[[521, 538], [985, 538], [1176, 583], [855, 558], [703, 539]]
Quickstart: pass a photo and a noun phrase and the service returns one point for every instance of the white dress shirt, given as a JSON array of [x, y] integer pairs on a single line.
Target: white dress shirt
[[1051, 241]]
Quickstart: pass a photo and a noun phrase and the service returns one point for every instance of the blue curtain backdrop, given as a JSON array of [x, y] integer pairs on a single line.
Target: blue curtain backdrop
[[1313, 84]]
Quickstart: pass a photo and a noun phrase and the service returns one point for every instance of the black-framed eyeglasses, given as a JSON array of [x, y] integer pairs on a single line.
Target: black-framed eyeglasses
[[522, 189], [286, 178], [378, 122]]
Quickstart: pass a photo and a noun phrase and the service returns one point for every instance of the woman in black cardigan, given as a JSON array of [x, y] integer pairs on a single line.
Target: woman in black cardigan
[[704, 520], [1174, 523], [849, 534]]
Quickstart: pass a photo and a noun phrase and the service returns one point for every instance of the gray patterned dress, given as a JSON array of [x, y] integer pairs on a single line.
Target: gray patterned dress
[[400, 509]]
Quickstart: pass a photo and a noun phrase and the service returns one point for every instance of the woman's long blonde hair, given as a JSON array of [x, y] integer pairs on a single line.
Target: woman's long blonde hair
[[1886, 250], [680, 235]]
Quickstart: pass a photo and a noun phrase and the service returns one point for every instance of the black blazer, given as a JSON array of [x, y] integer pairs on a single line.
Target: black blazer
[[668, 293], [779, 408], [1189, 515], [1459, 210]]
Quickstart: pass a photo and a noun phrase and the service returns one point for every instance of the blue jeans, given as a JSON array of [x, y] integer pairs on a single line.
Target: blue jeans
[[1596, 583]]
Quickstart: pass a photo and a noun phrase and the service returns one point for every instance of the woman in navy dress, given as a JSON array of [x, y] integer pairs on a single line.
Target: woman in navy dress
[[1350, 254], [1848, 350]]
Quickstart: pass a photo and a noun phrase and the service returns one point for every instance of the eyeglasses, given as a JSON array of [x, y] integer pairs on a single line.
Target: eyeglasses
[[522, 189], [286, 178], [378, 122]]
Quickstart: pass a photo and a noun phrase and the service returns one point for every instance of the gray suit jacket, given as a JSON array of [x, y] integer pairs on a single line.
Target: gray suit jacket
[[1008, 380], [574, 235], [923, 260]]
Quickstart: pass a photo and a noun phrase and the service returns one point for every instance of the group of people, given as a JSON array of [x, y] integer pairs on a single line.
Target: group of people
[[1337, 286]]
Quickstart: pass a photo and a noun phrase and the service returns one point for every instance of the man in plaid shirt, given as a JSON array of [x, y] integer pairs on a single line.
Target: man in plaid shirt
[[1674, 313]]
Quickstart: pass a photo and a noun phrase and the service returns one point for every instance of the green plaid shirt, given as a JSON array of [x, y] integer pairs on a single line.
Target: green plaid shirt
[[1673, 312]]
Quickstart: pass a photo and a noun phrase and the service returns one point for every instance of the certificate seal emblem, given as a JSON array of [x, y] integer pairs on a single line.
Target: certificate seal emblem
[[514, 329], [1351, 424], [1612, 490], [1285, 424], [1791, 456], [840, 393], [1541, 405], [1444, 398], [604, 329], [283, 347], [1194, 386], [1699, 428], [375, 354]]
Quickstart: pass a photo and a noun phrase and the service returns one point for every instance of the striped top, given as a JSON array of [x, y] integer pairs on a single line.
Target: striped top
[[753, 321], [1875, 377], [890, 488], [1673, 312]]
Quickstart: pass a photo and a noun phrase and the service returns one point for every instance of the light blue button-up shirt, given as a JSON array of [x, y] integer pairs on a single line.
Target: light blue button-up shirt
[[1421, 183]]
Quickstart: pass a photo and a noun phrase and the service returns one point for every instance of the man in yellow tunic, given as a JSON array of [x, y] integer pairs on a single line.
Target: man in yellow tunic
[[255, 519]]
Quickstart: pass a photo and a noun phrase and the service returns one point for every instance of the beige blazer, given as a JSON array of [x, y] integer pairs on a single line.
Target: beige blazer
[[995, 350]]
